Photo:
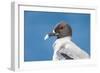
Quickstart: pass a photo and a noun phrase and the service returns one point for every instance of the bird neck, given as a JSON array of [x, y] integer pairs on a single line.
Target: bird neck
[[65, 38]]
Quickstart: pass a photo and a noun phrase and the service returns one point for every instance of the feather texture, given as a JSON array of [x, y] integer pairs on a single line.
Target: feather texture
[[64, 48]]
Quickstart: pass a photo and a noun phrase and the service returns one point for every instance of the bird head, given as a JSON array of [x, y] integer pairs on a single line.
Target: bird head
[[61, 30]]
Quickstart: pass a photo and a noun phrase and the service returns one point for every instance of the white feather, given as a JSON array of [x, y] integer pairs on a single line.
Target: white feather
[[66, 46]]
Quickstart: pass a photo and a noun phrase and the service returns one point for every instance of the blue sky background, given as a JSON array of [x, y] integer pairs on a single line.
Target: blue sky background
[[38, 24]]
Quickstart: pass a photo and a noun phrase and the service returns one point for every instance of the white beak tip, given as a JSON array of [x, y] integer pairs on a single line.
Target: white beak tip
[[46, 37]]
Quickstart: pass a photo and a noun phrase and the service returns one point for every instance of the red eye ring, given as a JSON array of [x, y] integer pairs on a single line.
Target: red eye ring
[[61, 27]]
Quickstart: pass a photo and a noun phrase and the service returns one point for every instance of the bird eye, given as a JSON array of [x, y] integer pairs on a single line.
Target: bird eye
[[61, 27]]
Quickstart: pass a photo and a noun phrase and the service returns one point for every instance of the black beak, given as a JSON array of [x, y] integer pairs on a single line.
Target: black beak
[[50, 35]]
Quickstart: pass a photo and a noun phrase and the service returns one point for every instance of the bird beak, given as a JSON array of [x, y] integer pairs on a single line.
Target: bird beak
[[50, 34]]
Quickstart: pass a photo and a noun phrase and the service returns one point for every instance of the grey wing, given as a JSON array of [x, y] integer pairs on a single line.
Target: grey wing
[[66, 56], [72, 51], [62, 56]]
